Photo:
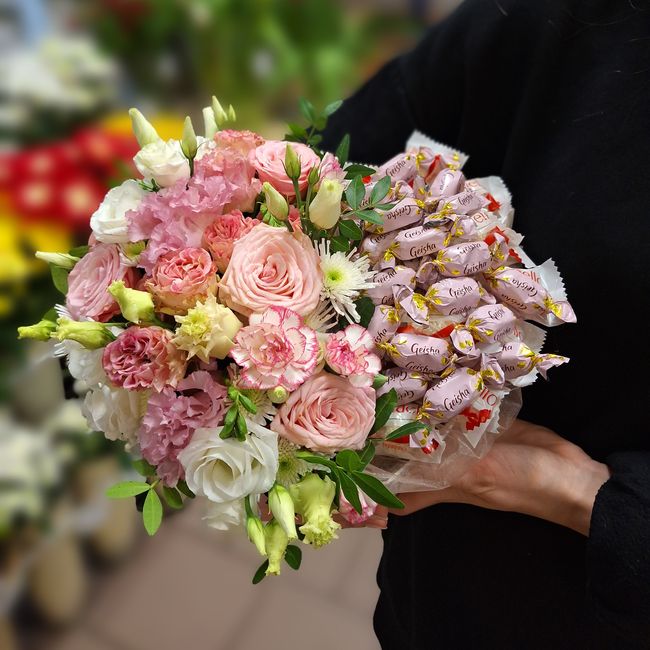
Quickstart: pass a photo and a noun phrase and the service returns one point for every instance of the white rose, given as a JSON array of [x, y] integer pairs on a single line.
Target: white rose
[[227, 470], [116, 412], [163, 161], [109, 220], [224, 516]]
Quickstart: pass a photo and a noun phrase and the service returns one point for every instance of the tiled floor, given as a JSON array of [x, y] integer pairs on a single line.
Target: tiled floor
[[189, 588]]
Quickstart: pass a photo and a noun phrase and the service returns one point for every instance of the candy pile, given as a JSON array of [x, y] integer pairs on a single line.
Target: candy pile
[[453, 293]]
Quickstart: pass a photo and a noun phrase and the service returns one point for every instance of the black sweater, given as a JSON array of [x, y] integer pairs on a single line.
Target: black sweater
[[554, 96]]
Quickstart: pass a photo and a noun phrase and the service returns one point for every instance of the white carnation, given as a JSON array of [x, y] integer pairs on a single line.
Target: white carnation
[[109, 220], [228, 470], [163, 161]]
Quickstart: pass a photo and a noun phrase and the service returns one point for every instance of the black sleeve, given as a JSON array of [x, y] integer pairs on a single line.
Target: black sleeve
[[618, 551]]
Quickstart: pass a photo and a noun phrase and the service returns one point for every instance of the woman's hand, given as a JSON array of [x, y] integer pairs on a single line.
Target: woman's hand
[[530, 470]]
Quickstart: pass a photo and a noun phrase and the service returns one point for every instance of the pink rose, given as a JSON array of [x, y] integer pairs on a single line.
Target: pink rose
[[347, 511], [144, 357], [268, 160], [327, 414], [180, 278], [348, 353], [276, 349], [271, 267], [172, 417], [89, 280], [220, 236]]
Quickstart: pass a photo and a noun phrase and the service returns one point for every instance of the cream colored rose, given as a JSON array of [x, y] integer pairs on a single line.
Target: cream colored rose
[[163, 161]]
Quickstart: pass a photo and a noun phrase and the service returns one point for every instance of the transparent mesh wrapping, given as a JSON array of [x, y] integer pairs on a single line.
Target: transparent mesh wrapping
[[405, 468]]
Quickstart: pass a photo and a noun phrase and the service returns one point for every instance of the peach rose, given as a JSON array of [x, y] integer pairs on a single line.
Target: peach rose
[[268, 160], [271, 267], [180, 278], [327, 413]]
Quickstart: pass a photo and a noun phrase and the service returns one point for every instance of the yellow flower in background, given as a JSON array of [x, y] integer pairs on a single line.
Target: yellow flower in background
[[167, 125]]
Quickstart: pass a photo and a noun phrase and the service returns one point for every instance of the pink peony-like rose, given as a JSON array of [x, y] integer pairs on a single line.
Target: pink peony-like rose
[[272, 267], [348, 353], [144, 357], [220, 236], [347, 511], [171, 418], [268, 160], [327, 414], [89, 280], [181, 278], [276, 349]]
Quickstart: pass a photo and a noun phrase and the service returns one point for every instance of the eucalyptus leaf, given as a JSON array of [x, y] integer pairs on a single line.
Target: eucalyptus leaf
[[293, 556], [127, 489], [152, 512], [376, 490], [385, 405]]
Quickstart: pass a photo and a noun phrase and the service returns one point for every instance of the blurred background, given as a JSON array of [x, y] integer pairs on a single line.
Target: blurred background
[[76, 571]]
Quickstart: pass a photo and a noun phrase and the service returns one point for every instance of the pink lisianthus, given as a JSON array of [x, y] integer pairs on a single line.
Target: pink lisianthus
[[220, 236], [327, 414], [181, 278], [89, 280], [330, 169], [144, 357], [268, 160], [272, 267], [348, 353], [275, 349], [347, 511], [171, 418]]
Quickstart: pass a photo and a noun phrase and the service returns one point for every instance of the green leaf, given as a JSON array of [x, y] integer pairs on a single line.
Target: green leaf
[[355, 193], [315, 139], [241, 427], [173, 497], [50, 315], [350, 229], [293, 556], [340, 244], [370, 216], [79, 251], [358, 170], [365, 309], [367, 454], [319, 124], [260, 574], [406, 430], [379, 191], [59, 278], [330, 109], [298, 131], [350, 491], [376, 490], [152, 512], [247, 403], [343, 150], [384, 206], [143, 468], [182, 487], [127, 489], [317, 460], [383, 408], [307, 109], [348, 460]]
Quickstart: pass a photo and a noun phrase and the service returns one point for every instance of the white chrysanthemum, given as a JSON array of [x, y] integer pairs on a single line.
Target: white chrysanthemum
[[323, 318], [207, 330], [344, 278], [265, 409], [290, 468]]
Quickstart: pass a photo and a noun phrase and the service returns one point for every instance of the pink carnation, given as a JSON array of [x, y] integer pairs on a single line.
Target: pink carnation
[[181, 278], [276, 349], [172, 417], [327, 414], [347, 511], [144, 357], [222, 233], [243, 142], [89, 280], [348, 353], [268, 160]]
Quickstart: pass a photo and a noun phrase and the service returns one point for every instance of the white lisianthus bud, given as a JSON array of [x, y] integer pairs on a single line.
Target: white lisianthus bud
[[40, 331], [63, 260], [136, 306], [143, 129], [189, 145], [210, 124], [276, 204], [255, 530], [281, 506], [90, 334], [276, 542], [325, 209], [220, 116], [163, 161]]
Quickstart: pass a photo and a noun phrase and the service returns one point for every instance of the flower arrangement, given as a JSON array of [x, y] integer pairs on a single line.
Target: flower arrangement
[[233, 306]]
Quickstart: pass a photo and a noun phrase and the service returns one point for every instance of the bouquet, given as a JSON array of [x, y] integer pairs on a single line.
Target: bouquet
[[286, 333]]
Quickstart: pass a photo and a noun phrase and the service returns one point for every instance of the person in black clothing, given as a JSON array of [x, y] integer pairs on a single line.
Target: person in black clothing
[[545, 544]]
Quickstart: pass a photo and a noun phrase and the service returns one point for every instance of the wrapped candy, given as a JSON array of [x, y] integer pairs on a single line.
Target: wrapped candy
[[447, 183], [450, 395], [537, 293], [425, 354], [409, 385], [384, 323], [375, 245], [462, 259], [405, 213], [488, 325], [413, 243], [519, 362], [386, 280], [454, 296]]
